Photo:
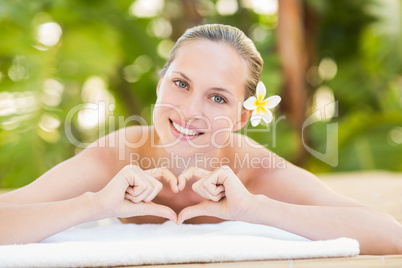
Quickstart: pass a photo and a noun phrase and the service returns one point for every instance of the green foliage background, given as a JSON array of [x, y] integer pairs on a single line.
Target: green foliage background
[[103, 43]]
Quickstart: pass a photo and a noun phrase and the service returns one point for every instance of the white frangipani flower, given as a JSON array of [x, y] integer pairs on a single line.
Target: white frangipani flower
[[260, 106]]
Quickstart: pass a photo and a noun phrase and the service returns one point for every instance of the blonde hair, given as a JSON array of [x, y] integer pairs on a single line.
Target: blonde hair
[[231, 36]]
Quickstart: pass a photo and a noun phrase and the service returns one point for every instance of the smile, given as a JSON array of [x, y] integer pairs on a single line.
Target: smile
[[184, 131]]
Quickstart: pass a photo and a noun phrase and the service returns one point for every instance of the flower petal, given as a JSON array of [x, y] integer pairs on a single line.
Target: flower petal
[[272, 102], [255, 120], [260, 110], [254, 113], [261, 91], [267, 117], [249, 104]]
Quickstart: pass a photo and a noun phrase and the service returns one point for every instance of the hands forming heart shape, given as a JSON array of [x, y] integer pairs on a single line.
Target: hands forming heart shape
[[131, 191]]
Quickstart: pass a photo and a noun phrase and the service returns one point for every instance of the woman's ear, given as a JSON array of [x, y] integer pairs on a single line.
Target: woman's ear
[[245, 115]]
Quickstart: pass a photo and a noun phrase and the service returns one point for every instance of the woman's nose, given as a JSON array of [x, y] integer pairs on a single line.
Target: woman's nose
[[192, 106]]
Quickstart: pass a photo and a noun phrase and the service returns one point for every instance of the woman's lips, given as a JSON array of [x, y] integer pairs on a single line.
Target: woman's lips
[[184, 133], [186, 126]]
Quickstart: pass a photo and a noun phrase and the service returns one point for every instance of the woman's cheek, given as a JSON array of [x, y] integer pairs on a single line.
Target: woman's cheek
[[167, 102], [221, 132], [173, 100]]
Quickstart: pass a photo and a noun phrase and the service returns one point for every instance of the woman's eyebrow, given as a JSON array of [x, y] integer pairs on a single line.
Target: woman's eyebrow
[[223, 89], [182, 74], [215, 88]]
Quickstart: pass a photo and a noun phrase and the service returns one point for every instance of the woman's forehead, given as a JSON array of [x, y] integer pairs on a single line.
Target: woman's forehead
[[212, 62]]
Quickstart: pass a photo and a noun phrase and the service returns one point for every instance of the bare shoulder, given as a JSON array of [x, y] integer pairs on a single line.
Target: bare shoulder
[[118, 145], [112, 152], [271, 175], [252, 159]]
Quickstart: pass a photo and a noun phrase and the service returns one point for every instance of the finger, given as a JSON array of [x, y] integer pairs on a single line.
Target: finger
[[153, 172], [191, 173], [153, 188], [199, 173], [225, 177], [207, 195], [143, 181], [132, 172], [201, 188], [147, 195], [139, 188], [198, 188], [205, 208], [123, 179], [147, 191], [130, 191], [156, 188], [182, 182], [129, 197], [212, 188], [139, 198], [142, 187], [136, 190], [216, 197], [155, 183], [167, 175], [219, 189], [156, 210]]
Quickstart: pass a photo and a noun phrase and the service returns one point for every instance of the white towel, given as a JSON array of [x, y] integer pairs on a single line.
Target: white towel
[[132, 244]]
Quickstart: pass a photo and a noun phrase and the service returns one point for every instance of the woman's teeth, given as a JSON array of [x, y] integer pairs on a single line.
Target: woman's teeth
[[184, 131]]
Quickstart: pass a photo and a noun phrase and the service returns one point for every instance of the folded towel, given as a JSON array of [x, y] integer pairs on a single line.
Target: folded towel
[[132, 244]]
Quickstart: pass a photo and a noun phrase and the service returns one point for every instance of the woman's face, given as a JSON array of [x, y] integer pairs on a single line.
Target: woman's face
[[200, 98]]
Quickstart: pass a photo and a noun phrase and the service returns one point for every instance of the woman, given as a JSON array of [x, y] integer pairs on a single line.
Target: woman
[[208, 173]]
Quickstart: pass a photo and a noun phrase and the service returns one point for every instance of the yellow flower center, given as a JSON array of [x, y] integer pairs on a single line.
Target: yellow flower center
[[261, 110], [260, 105]]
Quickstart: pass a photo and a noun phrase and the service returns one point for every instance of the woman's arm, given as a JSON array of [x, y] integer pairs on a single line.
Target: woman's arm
[[29, 223], [306, 207], [128, 194], [88, 171], [56, 200], [81, 189], [377, 232], [296, 196]]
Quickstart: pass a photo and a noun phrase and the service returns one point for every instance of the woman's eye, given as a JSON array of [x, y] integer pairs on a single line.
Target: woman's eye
[[181, 84], [218, 99]]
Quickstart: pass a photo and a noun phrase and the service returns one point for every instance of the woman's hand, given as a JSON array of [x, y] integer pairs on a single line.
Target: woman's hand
[[162, 173], [130, 194], [227, 197]]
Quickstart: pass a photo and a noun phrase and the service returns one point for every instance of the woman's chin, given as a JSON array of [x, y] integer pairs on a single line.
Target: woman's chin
[[183, 151], [193, 146]]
